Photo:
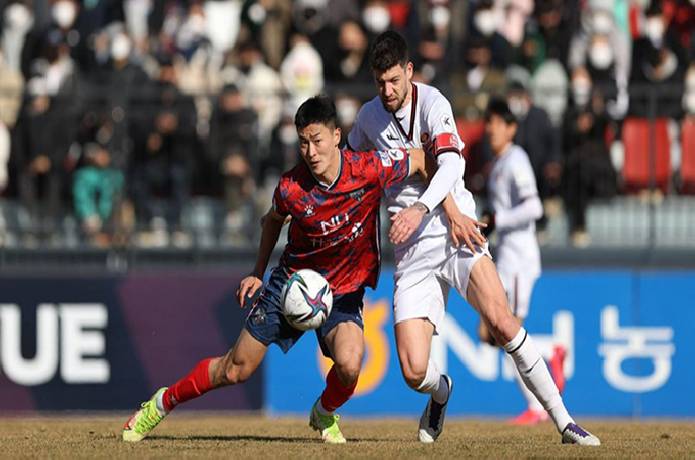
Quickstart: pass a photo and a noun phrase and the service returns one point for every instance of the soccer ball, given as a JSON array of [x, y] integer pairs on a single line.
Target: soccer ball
[[307, 300]]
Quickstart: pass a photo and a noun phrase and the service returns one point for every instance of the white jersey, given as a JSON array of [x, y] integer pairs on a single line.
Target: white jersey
[[511, 182], [413, 126]]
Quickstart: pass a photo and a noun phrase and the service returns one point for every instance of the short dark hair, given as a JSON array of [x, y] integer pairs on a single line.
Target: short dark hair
[[318, 109], [389, 49], [498, 106]]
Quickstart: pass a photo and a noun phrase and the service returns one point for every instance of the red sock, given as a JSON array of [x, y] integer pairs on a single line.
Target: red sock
[[196, 383], [336, 393]]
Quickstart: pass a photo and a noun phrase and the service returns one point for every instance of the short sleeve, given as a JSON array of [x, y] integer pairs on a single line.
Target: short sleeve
[[280, 199], [389, 166], [441, 125]]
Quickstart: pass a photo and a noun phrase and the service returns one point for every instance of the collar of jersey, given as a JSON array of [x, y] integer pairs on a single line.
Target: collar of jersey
[[337, 177]]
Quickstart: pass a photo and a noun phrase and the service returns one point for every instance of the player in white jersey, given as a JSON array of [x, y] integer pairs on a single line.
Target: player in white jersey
[[513, 197], [407, 114]]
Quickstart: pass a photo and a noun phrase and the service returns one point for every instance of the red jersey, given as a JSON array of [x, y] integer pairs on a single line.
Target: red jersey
[[335, 228]]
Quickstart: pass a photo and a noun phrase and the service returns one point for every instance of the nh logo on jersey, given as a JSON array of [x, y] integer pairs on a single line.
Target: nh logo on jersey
[[335, 222]]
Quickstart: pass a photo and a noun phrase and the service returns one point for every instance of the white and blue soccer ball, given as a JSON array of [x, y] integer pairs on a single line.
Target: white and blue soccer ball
[[306, 300]]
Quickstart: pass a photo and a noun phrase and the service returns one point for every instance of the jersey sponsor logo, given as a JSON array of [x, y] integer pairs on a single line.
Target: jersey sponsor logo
[[446, 121], [391, 137], [334, 223]]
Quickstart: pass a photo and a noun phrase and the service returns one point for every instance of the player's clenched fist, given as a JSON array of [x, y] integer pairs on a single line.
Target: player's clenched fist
[[248, 288]]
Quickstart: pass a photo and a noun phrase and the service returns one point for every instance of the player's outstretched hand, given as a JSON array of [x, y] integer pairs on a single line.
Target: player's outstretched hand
[[247, 289], [405, 222], [466, 230]]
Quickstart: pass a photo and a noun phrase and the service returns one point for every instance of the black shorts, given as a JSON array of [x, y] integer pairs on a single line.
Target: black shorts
[[267, 324]]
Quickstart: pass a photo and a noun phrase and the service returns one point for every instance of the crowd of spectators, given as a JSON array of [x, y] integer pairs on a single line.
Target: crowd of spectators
[[117, 112]]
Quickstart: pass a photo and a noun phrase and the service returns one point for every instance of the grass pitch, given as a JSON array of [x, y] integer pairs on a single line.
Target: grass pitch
[[233, 436]]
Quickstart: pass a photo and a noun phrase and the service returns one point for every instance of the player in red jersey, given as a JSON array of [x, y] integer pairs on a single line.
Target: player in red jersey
[[333, 197]]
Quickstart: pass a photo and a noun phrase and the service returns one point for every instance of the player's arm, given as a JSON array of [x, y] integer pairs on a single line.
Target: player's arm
[[461, 227], [530, 208], [271, 228]]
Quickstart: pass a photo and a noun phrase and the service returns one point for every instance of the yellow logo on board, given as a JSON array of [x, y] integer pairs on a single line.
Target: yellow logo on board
[[376, 353]]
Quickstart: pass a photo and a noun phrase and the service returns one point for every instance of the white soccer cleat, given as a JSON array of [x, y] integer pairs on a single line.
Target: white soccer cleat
[[574, 434], [432, 420]]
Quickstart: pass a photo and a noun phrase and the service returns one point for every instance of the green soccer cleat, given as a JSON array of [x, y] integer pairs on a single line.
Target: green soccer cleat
[[144, 420], [327, 425]]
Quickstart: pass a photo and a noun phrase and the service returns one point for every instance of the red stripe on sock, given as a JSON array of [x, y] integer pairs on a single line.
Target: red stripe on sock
[[336, 394], [195, 384]]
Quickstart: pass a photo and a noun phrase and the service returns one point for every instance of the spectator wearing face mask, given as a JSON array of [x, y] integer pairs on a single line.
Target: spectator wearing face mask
[[485, 23], [602, 48], [658, 66], [537, 136], [118, 91], [63, 29], [376, 17], [588, 171]]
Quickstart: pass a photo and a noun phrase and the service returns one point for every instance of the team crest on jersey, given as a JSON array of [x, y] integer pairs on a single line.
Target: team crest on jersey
[[357, 194], [309, 211], [385, 159]]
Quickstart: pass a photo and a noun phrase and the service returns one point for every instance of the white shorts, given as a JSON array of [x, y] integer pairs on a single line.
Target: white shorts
[[519, 287], [425, 270]]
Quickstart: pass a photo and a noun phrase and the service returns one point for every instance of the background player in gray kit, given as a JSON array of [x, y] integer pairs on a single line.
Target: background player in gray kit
[[514, 208]]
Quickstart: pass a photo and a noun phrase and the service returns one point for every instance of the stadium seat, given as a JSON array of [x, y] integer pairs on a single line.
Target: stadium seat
[[688, 156], [471, 132], [639, 168]]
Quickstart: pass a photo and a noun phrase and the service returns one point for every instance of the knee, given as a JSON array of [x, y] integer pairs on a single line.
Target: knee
[[235, 373], [414, 375], [348, 369]]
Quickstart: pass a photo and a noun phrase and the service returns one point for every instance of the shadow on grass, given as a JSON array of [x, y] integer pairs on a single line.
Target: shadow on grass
[[247, 437]]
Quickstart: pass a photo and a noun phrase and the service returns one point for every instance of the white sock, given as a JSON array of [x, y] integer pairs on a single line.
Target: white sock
[[535, 375], [531, 401], [159, 404], [434, 383], [322, 410]]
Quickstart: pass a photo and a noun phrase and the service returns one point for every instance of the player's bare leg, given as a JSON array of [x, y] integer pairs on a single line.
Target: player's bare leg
[[346, 345], [413, 341], [234, 367], [486, 294]]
